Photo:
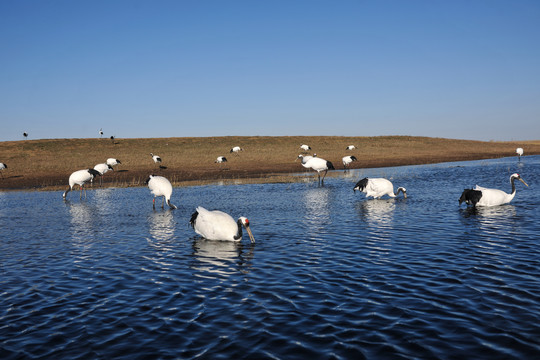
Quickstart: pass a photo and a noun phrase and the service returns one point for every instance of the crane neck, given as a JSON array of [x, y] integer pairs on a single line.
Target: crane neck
[[238, 235]]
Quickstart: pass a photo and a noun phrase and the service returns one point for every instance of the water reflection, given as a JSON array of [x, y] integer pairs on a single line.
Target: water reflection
[[317, 212], [377, 211], [82, 227], [221, 257], [162, 225]]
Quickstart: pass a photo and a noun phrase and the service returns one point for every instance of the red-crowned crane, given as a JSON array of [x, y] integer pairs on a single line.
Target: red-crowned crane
[[236, 150], [100, 133], [305, 147], [350, 147], [378, 187], [160, 186], [317, 164], [519, 151], [80, 177], [102, 169], [217, 225], [347, 160], [156, 158], [221, 159], [113, 161], [2, 167], [481, 196]]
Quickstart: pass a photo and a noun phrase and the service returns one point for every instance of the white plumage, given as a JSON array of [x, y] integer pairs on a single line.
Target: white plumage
[[80, 177], [236, 149], [2, 167], [156, 158], [378, 187], [217, 225], [160, 186], [481, 196], [350, 147], [102, 169], [221, 159], [100, 133], [347, 160], [305, 147], [113, 161], [519, 151], [317, 164]]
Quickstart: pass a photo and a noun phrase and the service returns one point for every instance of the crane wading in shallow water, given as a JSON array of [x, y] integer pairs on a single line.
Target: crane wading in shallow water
[[317, 164], [80, 177], [481, 196], [347, 160], [160, 186], [519, 151], [102, 169], [217, 225], [378, 187]]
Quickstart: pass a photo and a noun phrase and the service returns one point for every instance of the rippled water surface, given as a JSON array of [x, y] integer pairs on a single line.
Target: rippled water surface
[[332, 275]]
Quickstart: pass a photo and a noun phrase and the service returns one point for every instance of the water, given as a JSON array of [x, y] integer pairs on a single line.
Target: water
[[332, 275]]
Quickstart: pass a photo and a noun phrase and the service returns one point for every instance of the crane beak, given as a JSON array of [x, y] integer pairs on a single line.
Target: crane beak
[[523, 181], [250, 234]]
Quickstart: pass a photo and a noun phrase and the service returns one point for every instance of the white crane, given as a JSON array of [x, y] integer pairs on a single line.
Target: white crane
[[317, 164], [100, 133], [305, 147], [217, 225], [2, 167], [236, 150], [481, 196], [80, 177], [378, 187], [156, 158], [113, 161], [305, 158], [519, 151], [347, 160], [102, 169], [350, 147], [221, 159], [160, 186]]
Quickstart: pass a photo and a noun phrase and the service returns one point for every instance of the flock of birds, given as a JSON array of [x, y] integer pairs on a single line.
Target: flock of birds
[[217, 225]]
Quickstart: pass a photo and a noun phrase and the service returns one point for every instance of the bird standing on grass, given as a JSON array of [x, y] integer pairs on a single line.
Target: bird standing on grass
[[80, 177], [305, 147], [378, 187], [2, 167], [160, 186], [217, 225], [156, 158], [113, 162], [221, 159], [350, 147], [100, 133], [481, 196], [236, 150]]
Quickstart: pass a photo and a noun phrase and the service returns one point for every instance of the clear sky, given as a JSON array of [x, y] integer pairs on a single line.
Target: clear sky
[[456, 69]]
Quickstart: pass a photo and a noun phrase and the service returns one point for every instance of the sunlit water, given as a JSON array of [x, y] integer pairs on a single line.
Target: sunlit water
[[332, 275]]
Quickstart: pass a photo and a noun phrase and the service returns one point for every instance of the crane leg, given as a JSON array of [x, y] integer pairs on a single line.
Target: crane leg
[[163, 203], [154, 203]]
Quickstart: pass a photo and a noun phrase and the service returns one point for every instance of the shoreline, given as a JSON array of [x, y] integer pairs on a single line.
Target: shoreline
[[45, 165]]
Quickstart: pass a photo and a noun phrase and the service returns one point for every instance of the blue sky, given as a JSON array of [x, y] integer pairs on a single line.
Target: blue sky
[[453, 69]]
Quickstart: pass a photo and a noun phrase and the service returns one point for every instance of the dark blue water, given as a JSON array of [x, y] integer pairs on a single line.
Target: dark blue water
[[332, 275]]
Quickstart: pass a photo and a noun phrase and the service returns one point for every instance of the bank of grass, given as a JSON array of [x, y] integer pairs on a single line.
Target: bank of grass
[[47, 164]]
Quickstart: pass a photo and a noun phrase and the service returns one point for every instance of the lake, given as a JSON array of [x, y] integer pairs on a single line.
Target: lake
[[331, 275]]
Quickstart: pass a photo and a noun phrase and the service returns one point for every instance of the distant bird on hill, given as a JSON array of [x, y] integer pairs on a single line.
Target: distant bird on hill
[[100, 133], [347, 160], [217, 225], [350, 147], [25, 134], [481, 196], [113, 161], [156, 158], [80, 177], [305, 147], [236, 150], [2, 167], [378, 187], [221, 159], [160, 186], [519, 151]]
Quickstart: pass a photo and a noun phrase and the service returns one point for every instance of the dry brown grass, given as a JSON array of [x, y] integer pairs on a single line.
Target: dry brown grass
[[48, 163]]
